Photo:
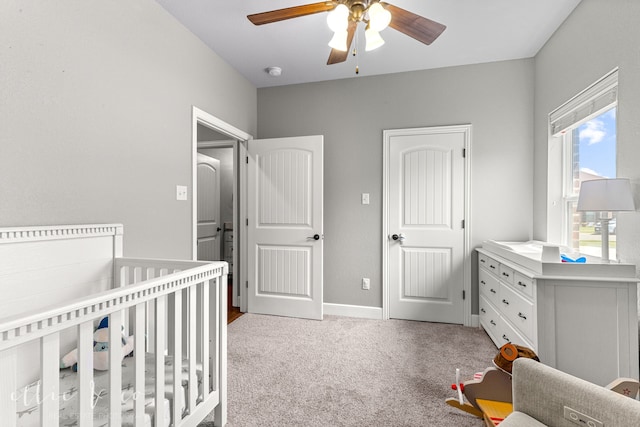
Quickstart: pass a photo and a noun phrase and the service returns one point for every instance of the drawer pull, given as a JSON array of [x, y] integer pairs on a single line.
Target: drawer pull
[[483, 310], [492, 291], [483, 282], [483, 261], [504, 337], [492, 266], [524, 285], [492, 322], [505, 274], [504, 301], [522, 316]]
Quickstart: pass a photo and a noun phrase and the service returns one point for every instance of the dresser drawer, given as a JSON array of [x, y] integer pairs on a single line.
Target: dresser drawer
[[523, 283], [489, 286], [490, 319], [517, 310], [509, 334], [506, 274], [489, 263], [498, 329]]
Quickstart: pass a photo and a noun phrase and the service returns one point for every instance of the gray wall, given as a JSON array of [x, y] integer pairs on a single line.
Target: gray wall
[[597, 37], [496, 98], [95, 111]]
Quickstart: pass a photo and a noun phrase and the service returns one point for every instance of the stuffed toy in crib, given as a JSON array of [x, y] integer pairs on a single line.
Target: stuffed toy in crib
[[100, 349]]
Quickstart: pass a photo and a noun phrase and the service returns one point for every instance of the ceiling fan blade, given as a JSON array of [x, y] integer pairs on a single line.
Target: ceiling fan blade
[[291, 12], [422, 29], [337, 56]]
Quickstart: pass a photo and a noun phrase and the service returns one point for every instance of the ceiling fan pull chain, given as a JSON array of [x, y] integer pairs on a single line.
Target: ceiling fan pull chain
[[355, 53]]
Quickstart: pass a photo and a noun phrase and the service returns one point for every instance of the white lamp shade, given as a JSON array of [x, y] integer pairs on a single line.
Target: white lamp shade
[[605, 195], [379, 17], [373, 38], [338, 18], [339, 41]]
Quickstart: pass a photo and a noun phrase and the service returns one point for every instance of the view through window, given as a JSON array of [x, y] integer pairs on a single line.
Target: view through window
[[591, 154]]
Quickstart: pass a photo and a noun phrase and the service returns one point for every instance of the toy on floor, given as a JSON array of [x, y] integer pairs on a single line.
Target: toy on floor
[[100, 349], [492, 384]]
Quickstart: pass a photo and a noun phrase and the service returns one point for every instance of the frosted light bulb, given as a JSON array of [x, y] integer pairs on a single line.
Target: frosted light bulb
[[339, 41], [379, 17], [338, 18]]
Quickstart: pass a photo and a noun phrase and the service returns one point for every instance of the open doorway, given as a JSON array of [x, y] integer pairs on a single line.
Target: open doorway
[[217, 203]]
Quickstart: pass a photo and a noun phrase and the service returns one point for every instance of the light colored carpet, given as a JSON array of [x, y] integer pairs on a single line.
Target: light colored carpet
[[349, 372]]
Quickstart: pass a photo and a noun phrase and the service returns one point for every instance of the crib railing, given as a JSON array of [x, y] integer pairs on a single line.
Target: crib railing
[[179, 306]]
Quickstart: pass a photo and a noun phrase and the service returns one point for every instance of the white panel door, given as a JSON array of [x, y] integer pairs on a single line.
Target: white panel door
[[208, 208], [285, 226], [425, 223]]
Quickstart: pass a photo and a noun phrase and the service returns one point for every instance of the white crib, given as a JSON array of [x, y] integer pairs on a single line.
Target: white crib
[[57, 282]]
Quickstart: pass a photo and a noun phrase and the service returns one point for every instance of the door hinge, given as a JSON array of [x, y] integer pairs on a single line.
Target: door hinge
[[247, 159], [247, 222], [464, 152], [246, 284], [463, 223], [464, 294]]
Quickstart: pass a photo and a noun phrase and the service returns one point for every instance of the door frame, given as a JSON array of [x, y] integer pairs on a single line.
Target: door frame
[[386, 136], [240, 137]]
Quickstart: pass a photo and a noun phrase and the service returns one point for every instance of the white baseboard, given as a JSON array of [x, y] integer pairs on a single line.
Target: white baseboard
[[475, 320], [366, 312], [352, 311]]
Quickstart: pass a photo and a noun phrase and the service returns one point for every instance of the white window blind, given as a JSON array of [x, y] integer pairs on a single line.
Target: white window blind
[[586, 104]]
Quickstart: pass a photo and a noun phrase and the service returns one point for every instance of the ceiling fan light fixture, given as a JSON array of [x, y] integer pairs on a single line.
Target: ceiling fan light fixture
[[339, 41], [338, 18], [379, 17], [373, 39]]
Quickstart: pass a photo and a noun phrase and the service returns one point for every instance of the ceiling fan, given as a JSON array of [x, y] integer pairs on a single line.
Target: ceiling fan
[[343, 19]]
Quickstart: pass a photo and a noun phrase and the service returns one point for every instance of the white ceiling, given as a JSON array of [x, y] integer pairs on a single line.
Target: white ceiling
[[477, 31]]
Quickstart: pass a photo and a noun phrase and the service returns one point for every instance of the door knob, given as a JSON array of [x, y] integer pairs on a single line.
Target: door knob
[[399, 237], [314, 237]]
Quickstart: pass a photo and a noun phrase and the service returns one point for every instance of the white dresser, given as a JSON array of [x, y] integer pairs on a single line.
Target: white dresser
[[579, 318]]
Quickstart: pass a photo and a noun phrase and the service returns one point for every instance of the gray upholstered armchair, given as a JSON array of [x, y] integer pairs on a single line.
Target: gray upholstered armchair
[[544, 396]]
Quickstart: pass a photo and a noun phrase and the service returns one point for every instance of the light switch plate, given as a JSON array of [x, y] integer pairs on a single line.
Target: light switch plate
[[181, 192], [365, 198]]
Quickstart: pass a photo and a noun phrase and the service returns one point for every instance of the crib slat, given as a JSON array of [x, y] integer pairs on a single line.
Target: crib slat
[[8, 385], [138, 369], [206, 339], [85, 374], [220, 412], [159, 335], [144, 275], [177, 356], [170, 322], [192, 331], [50, 367], [214, 339], [115, 368]]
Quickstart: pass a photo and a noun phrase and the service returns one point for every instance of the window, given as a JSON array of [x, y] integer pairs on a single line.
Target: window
[[590, 154], [585, 127]]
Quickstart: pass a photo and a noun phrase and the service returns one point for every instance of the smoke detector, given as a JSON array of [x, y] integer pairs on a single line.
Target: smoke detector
[[274, 71]]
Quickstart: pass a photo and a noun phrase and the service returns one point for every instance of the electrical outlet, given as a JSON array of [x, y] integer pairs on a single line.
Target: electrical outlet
[[181, 192], [366, 284], [580, 418]]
